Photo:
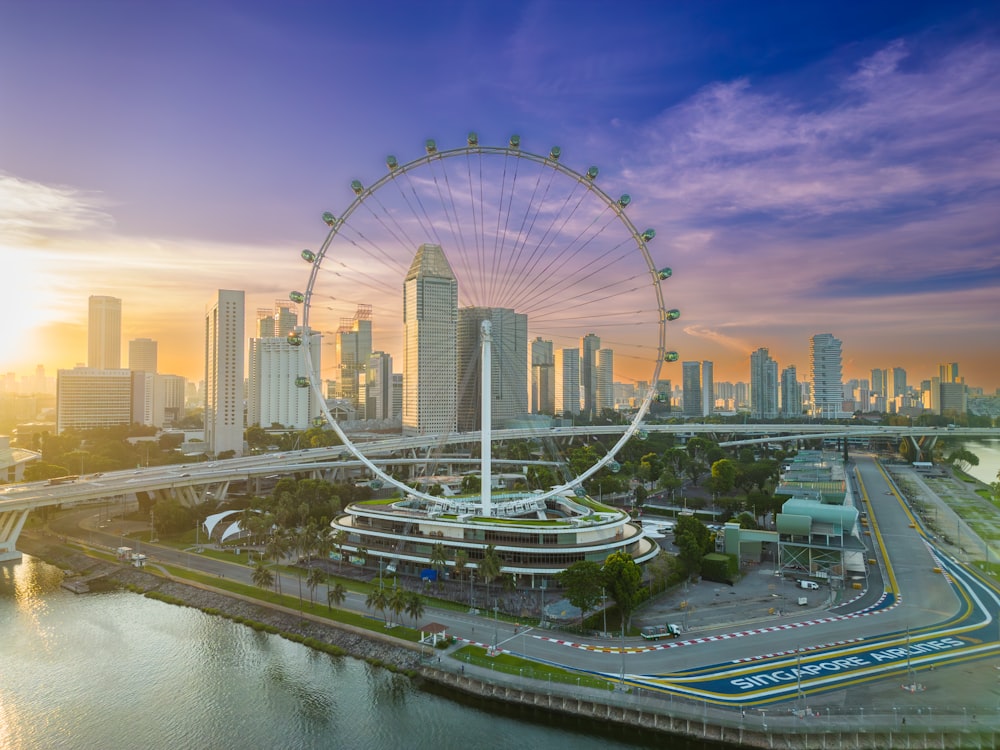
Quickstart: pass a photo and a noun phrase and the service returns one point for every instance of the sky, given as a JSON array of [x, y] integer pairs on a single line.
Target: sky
[[808, 167]]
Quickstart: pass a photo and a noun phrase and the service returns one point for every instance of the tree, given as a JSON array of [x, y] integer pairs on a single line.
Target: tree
[[963, 458], [461, 562], [583, 582], [693, 540], [315, 578], [490, 568], [723, 476], [623, 579], [415, 606], [397, 600], [276, 548], [335, 594], [746, 520], [377, 599], [471, 483], [439, 561], [339, 537], [262, 575]]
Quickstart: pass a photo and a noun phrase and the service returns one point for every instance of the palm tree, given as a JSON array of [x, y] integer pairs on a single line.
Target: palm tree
[[262, 575], [276, 548], [377, 599], [339, 537], [335, 594], [461, 562], [415, 606], [438, 561], [323, 544], [397, 601], [490, 568], [315, 578]]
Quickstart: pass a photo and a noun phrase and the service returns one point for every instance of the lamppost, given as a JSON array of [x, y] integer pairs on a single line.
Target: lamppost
[[604, 603]]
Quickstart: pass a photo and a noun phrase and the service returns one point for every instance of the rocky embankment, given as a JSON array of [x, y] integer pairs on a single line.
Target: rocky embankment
[[355, 642]]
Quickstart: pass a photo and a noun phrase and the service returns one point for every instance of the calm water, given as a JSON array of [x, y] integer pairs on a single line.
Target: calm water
[[988, 452], [118, 670]]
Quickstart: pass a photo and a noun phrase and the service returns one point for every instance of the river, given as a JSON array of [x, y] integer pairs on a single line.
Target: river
[[988, 452], [118, 670]]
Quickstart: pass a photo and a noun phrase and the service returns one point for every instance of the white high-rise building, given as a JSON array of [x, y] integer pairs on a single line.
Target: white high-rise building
[[791, 394], [567, 376], [543, 384], [354, 347], [379, 387], [763, 385], [142, 355], [605, 380], [274, 366], [827, 381], [430, 320], [508, 366], [589, 346], [104, 333], [224, 358]]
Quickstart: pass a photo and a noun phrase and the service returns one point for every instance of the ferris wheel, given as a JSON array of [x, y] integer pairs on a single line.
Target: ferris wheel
[[497, 233]]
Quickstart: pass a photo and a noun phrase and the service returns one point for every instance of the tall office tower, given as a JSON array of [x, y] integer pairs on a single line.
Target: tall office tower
[[280, 321], [827, 386], [354, 347], [378, 386], [142, 355], [430, 319], [397, 395], [880, 382], [660, 405], [707, 388], [567, 376], [953, 400], [589, 346], [168, 401], [791, 394], [224, 388], [104, 333], [898, 382], [88, 398], [741, 395], [763, 385], [605, 381], [691, 378], [948, 373], [274, 364], [508, 366], [864, 395], [543, 384]]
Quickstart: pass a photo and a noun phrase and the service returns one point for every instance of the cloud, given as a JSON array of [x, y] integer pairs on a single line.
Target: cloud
[[33, 210]]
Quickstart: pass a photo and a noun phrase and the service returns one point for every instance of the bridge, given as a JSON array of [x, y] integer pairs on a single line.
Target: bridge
[[196, 483]]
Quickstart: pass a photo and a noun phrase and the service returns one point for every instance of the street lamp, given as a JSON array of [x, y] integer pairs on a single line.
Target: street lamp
[[604, 602]]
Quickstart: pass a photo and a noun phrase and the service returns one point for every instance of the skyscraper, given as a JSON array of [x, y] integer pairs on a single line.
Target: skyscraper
[[354, 347], [430, 319], [378, 387], [764, 385], [104, 333], [605, 381], [567, 375], [88, 398], [707, 388], [274, 365], [508, 366], [827, 384], [948, 372], [691, 383], [277, 322], [224, 327], [589, 345], [543, 385], [142, 355], [791, 394]]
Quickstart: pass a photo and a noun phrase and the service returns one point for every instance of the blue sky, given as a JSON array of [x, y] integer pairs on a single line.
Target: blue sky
[[809, 167]]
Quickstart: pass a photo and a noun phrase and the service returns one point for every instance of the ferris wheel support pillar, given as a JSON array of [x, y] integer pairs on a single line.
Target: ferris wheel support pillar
[[486, 431]]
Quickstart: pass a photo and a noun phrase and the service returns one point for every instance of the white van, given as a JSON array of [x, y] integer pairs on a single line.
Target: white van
[[809, 585]]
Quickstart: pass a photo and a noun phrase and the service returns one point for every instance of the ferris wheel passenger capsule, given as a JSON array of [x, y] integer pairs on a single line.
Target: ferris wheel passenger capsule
[[624, 200], [297, 297], [391, 162], [614, 467], [302, 381], [555, 153], [665, 273], [671, 357], [357, 187], [430, 146], [648, 235], [473, 138], [663, 397], [294, 339], [592, 173], [308, 256], [319, 421], [515, 141], [673, 314], [329, 219]]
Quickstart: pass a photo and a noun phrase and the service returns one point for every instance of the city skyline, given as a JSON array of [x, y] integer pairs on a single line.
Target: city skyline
[[806, 169]]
